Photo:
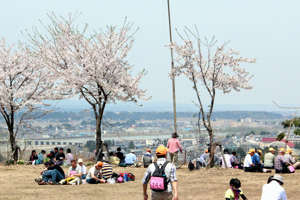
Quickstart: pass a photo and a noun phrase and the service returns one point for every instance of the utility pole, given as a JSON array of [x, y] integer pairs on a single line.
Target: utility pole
[[172, 64]]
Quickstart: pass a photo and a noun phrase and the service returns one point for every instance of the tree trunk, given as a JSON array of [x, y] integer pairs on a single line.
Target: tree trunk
[[99, 144], [13, 145], [212, 149]]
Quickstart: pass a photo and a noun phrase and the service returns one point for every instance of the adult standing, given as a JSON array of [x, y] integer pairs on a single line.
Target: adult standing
[[147, 158], [170, 174], [174, 145], [280, 162], [274, 190], [269, 159]]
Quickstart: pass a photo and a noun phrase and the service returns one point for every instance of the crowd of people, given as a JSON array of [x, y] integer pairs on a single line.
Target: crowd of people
[[161, 174]]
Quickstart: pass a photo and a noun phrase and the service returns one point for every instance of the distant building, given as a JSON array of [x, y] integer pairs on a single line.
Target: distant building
[[273, 142]]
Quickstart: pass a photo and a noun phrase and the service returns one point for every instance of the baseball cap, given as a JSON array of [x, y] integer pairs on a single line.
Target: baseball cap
[[99, 164], [161, 150], [80, 160], [281, 150], [148, 150]]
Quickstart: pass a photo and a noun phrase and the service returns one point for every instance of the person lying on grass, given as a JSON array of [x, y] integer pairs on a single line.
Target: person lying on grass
[[235, 191]]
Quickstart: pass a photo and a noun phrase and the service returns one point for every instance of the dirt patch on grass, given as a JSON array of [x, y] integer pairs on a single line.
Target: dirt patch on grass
[[17, 182]]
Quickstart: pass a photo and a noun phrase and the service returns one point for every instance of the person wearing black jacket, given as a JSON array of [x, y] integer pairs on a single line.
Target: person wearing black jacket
[[52, 173], [119, 154], [33, 156]]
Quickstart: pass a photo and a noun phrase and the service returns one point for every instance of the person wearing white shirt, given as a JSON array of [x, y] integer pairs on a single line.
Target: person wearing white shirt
[[83, 168], [248, 165], [273, 190]]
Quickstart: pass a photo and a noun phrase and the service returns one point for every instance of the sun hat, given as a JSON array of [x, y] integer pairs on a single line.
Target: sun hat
[[148, 150], [289, 150], [278, 178], [281, 150], [80, 160], [161, 150], [260, 151], [251, 151], [271, 149]]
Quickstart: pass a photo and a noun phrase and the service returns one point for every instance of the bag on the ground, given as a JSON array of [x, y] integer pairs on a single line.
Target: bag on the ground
[[291, 169], [191, 166], [159, 181], [198, 165], [120, 179], [122, 164], [130, 176]]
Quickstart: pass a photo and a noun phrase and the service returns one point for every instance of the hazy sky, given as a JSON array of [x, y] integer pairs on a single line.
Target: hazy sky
[[267, 30]]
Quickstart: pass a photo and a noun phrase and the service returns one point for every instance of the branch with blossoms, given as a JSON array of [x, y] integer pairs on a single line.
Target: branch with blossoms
[[209, 73]]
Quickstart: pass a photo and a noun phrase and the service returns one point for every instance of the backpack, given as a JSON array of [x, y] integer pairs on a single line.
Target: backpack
[[159, 181], [191, 166], [130, 176]]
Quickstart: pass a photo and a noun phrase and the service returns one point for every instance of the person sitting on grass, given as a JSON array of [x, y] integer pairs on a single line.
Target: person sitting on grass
[[50, 166], [248, 165], [74, 174], [51, 175], [51, 156], [69, 157], [235, 192], [288, 157], [94, 175], [120, 155], [255, 158], [114, 160], [83, 168], [40, 159], [281, 163], [33, 157], [228, 159], [269, 159], [130, 158], [60, 157]]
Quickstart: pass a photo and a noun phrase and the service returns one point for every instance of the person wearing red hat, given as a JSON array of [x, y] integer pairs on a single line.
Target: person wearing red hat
[[147, 158], [161, 190]]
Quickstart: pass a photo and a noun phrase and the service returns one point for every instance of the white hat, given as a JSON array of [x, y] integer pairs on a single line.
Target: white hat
[[80, 160], [278, 178]]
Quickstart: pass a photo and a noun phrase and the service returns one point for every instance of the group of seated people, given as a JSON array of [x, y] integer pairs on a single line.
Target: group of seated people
[[282, 163], [56, 156], [77, 174], [254, 161]]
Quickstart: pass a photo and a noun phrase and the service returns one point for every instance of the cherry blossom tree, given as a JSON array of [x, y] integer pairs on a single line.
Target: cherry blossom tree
[[219, 70], [24, 85], [94, 67]]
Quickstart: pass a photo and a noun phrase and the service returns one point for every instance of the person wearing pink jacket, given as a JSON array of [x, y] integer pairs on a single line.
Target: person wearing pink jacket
[[173, 145]]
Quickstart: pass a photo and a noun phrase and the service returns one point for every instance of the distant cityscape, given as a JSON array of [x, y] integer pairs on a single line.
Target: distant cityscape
[[237, 130]]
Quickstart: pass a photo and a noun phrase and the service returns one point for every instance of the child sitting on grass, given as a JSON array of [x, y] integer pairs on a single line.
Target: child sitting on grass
[[234, 192]]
